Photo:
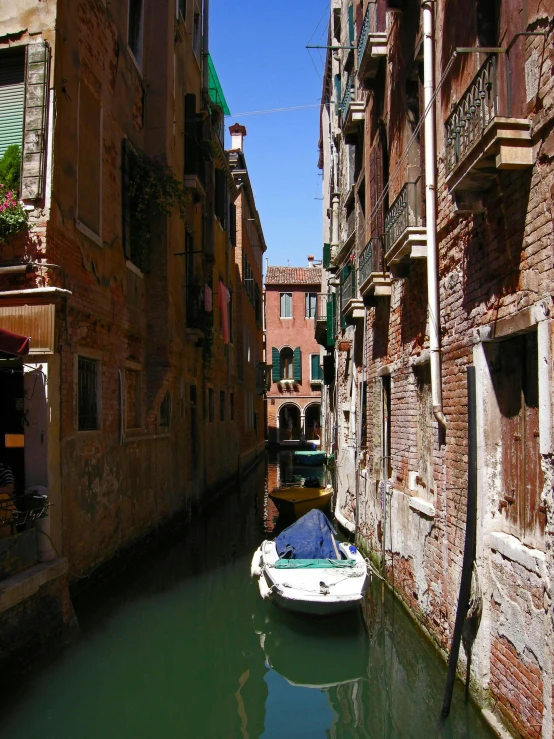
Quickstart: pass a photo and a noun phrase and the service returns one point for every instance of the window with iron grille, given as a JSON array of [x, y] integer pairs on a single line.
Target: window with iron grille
[[88, 395]]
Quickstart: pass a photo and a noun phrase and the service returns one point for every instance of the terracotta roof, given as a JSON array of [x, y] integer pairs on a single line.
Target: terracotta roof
[[293, 276]]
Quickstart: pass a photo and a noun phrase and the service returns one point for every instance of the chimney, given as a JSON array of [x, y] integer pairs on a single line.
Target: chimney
[[311, 260], [238, 133]]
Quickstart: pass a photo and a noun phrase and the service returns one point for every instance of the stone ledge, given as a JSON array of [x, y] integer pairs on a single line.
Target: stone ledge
[[18, 588], [511, 548], [422, 506]]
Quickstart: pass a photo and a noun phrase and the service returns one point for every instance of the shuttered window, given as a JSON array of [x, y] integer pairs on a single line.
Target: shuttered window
[[315, 366], [287, 364], [12, 97], [297, 361], [286, 305], [311, 300], [276, 361]]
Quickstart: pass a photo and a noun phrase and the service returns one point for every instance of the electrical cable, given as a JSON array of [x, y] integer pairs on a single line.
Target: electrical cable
[[274, 110]]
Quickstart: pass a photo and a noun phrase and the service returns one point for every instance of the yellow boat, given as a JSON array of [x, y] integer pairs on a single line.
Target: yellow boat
[[294, 502]]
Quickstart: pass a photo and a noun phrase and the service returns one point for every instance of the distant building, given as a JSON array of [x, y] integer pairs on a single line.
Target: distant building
[[294, 397]]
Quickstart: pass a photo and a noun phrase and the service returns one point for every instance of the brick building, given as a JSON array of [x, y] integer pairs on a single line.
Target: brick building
[[293, 400], [438, 268], [124, 411]]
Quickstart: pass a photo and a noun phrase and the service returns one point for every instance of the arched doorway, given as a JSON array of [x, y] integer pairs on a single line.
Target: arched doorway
[[290, 427], [312, 422]]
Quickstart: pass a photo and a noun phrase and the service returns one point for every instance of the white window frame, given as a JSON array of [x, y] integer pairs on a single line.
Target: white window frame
[[281, 295]]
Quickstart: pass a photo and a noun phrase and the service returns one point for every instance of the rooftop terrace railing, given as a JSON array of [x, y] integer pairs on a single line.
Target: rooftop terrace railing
[[471, 116]]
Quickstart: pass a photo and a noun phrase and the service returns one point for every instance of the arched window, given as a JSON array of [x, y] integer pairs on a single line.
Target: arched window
[[287, 363]]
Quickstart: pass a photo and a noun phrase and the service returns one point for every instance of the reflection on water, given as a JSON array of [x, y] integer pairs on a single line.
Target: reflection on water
[[183, 646]]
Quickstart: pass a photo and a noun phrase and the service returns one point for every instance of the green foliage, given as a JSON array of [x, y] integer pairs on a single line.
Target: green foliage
[[10, 168], [13, 217]]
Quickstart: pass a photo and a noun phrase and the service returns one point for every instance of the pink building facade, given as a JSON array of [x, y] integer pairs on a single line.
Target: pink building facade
[[294, 397]]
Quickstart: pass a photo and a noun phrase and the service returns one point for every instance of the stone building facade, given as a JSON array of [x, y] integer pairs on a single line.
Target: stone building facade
[[437, 154], [125, 277], [293, 399]]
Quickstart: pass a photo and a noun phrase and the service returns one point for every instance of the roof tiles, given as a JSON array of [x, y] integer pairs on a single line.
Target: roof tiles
[[293, 276]]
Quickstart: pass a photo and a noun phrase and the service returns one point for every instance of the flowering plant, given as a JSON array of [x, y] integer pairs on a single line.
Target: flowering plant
[[13, 217]]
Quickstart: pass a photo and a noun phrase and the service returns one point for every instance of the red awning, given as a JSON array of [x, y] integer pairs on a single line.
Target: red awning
[[14, 344]]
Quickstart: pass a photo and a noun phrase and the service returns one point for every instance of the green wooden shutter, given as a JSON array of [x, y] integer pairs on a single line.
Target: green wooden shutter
[[316, 367], [331, 303], [351, 24], [12, 97], [297, 364], [338, 91], [36, 114], [276, 359], [326, 256]]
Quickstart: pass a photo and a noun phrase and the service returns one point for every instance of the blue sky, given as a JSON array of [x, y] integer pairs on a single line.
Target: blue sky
[[259, 53]]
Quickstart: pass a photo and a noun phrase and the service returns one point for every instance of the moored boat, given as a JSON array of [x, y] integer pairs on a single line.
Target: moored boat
[[294, 501], [310, 458], [307, 570]]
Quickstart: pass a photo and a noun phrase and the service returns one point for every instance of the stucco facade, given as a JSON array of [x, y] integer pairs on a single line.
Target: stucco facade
[[293, 400]]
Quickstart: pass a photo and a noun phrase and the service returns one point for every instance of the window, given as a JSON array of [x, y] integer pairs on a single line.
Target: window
[[232, 406], [386, 435], [12, 97], [89, 172], [424, 430], [134, 36], [135, 241], [196, 34], [311, 302], [165, 411], [316, 374], [88, 375], [211, 412], [182, 9], [133, 396], [286, 305], [222, 405], [287, 363]]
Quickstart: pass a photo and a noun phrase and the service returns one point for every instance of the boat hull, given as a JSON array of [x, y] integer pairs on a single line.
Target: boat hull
[[295, 502], [299, 590], [310, 459]]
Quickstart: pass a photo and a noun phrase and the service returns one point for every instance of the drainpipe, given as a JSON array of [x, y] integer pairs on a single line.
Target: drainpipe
[[431, 210]]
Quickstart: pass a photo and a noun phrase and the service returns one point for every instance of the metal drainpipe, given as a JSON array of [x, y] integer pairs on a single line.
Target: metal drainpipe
[[431, 210]]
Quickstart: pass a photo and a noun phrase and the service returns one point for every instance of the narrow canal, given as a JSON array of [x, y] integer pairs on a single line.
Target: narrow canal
[[183, 646]]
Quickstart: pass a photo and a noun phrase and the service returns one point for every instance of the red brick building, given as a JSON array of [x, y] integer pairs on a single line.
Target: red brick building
[[293, 401], [439, 233]]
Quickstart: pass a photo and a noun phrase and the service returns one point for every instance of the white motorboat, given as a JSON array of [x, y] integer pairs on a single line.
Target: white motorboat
[[332, 580]]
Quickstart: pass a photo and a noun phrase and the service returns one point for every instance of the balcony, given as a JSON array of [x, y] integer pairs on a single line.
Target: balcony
[[373, 279], [372, 42], [481, 138], [352, 111], [325, 320], [351, 304], [405, 234]]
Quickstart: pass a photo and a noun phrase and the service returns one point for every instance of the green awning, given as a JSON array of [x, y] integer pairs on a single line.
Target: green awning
[[214, 88]]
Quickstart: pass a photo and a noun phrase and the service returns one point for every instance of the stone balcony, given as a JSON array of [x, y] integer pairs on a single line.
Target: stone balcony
[[405, 232], [373, 277], [480, 139], [372, 42]]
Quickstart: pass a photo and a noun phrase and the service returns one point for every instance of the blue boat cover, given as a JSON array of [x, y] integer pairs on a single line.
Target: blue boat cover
[[311, 537]]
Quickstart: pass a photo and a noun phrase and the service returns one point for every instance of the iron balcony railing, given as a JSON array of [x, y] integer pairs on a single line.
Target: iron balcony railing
[[349, 287], [321, 307], [471, 116], [350, 223], [347, 97], [369, 26], [405, 212], [372, 259]]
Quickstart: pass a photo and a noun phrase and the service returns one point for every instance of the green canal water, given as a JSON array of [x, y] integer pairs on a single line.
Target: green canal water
[[181, 645]]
